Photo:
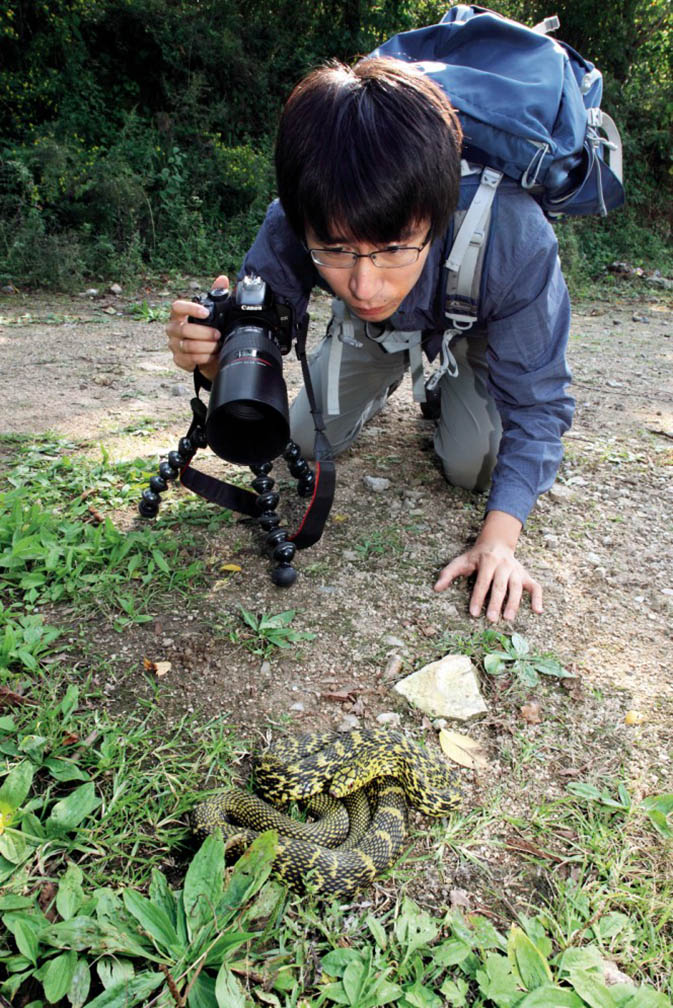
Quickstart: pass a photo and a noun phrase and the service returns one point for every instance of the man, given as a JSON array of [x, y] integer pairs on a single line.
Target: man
[[369, 175]]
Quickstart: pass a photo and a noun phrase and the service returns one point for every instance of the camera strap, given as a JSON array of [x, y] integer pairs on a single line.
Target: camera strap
[[313, 522], [243, 501]]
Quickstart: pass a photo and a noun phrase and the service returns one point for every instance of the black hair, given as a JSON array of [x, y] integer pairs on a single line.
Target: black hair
[[370, 151]]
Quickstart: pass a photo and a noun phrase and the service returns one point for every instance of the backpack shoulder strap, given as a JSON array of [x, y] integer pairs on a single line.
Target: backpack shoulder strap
[[464, 268], [465, 261]]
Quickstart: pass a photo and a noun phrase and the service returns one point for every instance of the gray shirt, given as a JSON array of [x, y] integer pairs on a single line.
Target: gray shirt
[[524, 309]]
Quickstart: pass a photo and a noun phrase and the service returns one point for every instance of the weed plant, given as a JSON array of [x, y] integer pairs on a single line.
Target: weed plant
[[58, 544]]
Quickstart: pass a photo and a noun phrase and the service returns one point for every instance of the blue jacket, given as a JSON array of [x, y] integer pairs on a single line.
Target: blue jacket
[[524, 308]]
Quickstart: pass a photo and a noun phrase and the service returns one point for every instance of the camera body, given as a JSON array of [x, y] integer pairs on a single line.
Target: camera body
[[248, 414]]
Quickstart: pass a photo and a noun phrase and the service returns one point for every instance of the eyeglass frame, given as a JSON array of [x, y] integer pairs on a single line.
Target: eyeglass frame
[[371, 255]]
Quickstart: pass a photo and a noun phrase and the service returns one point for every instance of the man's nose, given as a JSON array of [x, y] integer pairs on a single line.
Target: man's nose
[[364, 280]]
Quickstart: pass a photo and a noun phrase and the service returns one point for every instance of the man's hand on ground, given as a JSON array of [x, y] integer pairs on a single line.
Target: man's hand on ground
[[498, 571]]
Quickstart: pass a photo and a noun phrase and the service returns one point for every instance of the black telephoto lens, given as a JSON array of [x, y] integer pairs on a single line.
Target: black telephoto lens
[[248, 418]]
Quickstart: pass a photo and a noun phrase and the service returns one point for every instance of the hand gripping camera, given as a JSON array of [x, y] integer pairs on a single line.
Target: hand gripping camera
[[247, 422], [248, 417]]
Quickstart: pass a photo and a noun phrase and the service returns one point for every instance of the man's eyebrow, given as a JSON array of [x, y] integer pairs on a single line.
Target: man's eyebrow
[[403, 237]]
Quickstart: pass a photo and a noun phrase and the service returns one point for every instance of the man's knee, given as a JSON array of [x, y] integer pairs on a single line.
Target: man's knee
[[468, 464]]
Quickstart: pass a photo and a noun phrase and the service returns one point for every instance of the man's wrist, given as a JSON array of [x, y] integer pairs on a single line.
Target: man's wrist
[[502, 528]]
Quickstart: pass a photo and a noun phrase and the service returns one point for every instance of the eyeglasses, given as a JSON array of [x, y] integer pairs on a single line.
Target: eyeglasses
[[388, 258]]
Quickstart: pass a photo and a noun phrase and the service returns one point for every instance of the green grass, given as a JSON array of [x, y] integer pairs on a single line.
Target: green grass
[[103, 895], [62, 541]]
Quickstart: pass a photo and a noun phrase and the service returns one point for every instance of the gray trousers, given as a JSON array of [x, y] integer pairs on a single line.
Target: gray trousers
[[467, 434]]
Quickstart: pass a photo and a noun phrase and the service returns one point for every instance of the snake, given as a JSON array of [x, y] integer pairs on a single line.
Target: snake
[[358, 787]]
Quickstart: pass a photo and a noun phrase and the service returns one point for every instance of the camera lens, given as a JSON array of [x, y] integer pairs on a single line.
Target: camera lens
[[248, 416]]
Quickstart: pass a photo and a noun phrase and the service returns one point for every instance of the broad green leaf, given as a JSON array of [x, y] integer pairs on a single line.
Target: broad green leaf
[[154, 920], [16, 786], [549, 996], [455, 992], [26, 935], [414, 928], [80, 984], [495, 664], [13, 847], [80, 933], [335, 992], [590, 989], [69, 812], [228, 991], [127, 994], [660, 823], [57, 979], [588, 959], [628, 996], [33, 746], [122, 937], [582, 790], [70, 895], [450, 952], [336, 962], [114, 970], [551, 667], [497, 982], [203, 883], [161, 895], [160, 561], [530, 963], [610, 925], [227, 943], [202, 994], [12, 902], [520, 645], [662, 802], [378, 931], [64, 770], [248, 876], [419, 996], [354, 978], [69, 702]]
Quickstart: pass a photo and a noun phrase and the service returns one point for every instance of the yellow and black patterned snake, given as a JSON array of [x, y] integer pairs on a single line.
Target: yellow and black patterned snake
[[358, 786]]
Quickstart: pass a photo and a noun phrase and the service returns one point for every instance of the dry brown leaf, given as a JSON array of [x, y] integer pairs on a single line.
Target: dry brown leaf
[[530, 712], [634, 717], [463, 750], [232, 568], [161, 668]]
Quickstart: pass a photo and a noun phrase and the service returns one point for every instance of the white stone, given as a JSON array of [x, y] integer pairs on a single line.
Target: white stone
[[115, 288], [447, 688], [349, 722], [389, 718], [376, 483], [559, 492]]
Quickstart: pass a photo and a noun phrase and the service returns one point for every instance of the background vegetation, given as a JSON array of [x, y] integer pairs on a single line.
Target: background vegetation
[[135, 135]]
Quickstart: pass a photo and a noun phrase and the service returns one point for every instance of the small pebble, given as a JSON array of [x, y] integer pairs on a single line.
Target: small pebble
[[389, 718], [180, 390], [348, 723], [376, 483]]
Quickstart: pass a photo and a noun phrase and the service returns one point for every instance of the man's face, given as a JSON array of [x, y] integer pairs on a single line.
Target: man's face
[[372, 293]]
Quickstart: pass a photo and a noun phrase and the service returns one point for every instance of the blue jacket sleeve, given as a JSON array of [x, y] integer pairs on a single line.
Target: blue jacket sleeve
[[528, 327], [281, 260]]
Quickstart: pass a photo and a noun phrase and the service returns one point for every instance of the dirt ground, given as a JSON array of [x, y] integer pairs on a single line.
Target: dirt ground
[[601, 543]]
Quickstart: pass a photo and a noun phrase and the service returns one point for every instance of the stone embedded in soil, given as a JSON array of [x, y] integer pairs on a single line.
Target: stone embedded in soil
[[376, 483], [558, 492], [447, 688], [389, 718]]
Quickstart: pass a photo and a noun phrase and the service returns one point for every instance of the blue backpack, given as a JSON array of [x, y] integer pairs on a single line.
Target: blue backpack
[[529, 106], [530, 109]]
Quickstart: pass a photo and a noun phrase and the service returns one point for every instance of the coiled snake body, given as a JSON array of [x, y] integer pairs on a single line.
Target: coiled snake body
[[358, 786]]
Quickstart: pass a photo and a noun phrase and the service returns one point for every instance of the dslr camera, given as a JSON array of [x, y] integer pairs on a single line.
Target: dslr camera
[[248, 418]]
